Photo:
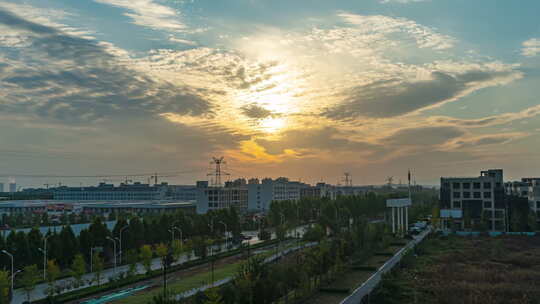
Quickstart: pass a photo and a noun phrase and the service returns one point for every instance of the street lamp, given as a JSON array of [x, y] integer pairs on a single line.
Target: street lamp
[[12, 273], [181, 236], [226, 243], [114, 246], [121, 252], [211, 225], [44, 251]]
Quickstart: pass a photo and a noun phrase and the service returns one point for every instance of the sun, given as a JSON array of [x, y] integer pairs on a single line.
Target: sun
[[272, 124]]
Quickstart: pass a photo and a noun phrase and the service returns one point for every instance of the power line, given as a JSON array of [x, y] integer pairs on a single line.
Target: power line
[[159, 174]]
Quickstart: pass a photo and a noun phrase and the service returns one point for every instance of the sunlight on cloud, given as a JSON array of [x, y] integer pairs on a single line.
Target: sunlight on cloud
[[149, 13], [531, 47]]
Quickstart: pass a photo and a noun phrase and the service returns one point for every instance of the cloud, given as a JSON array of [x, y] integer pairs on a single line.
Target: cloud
[[531, 47], [472, 142], [74, 79], [487, 121], [422, 136], [326, 139], [377, 25], [395, 97], [150, 14], [256, 112]]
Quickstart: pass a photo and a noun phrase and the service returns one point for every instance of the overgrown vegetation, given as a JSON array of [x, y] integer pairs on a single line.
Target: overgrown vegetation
[[450, 270]]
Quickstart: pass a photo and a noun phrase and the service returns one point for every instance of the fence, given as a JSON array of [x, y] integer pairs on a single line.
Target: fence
[[490, 233], [367, 287]]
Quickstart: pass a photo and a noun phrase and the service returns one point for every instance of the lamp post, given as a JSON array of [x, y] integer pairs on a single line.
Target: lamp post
[[12, 273], [226, 242], [114, 246], [44, 251], [121, 252], [181, 236], [211, 225]]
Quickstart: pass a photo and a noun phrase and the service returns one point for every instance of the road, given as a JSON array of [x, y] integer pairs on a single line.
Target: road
[[40, 291]]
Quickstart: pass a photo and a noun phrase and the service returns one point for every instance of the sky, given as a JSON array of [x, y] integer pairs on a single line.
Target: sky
[[304, 89]]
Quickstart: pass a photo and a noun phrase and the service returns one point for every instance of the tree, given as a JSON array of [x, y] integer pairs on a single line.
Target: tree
[[212, 296], [78, 269], [132, 259], [4, 287], [53, 272], [29, 279], [533, 222], [97, 263], [177, 249], [146, 257], [161, 251]]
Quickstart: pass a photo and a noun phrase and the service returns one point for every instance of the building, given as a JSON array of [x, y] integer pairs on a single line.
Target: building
[[233, 195], [320, 190], [528, 188], [262, 193], [478, 198], [1, 187], [57, 208], [110, 192], [137, 207], [12, 187]]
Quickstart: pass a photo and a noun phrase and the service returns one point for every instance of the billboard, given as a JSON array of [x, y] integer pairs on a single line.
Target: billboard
[[398, 202]]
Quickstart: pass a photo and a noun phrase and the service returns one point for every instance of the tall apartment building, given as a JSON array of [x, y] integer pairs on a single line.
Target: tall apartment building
[[262, 193], [475, 197], [233, 194]]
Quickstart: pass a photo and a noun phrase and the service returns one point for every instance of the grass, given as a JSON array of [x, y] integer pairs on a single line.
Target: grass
[[451, 270], [197, 280], [183, 284]]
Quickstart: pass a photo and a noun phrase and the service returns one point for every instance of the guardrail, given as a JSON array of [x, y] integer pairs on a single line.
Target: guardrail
[[367, 287]]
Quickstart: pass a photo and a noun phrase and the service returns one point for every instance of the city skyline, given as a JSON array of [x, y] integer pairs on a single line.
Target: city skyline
[[447, 87]]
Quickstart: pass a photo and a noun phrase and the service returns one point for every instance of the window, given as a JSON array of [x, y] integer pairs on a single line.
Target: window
[[466, 185], [476, 185], [457, 204], [487, 194], [456, 185], [446, 185], [487, 185], [477, 194], [538, 205], [466, 195], [457, 195], [487, 204]]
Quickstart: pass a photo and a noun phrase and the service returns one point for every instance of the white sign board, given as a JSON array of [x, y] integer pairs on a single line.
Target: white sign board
[[398, 202], [451, 213]]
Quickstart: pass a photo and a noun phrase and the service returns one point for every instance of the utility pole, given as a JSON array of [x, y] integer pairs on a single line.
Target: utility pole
[[218, 172]]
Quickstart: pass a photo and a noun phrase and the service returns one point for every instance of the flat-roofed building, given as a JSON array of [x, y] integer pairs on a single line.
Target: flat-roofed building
[[479, 198]]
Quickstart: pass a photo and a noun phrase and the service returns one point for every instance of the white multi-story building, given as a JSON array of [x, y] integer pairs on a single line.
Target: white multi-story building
[[214, 198], [262, 193], [12, 187], [476, 196]]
